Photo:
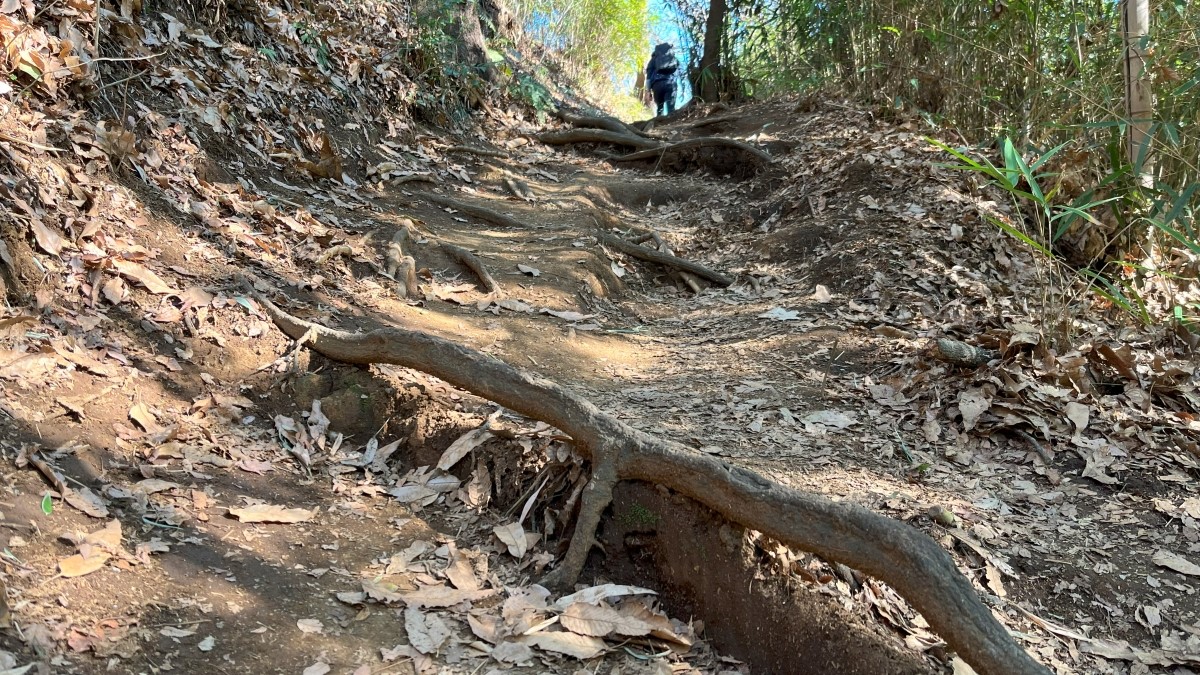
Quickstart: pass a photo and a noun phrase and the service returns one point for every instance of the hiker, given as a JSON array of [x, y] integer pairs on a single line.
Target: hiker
[[660, 78]]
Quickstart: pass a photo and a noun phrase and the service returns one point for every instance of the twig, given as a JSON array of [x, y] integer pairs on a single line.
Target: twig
[[29, 144], [1046, 458]]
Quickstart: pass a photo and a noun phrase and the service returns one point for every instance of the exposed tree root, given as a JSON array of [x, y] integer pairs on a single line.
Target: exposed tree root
[[401, 266], [705, 142], [482, 212], [415, 178], [897, 553], [597, 136], [712, 121], [482, 152], [653, 255], [687, 277], [334, 252], [473, 263], [610, 123]]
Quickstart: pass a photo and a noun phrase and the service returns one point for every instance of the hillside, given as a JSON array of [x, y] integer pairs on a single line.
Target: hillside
[[188, 488]]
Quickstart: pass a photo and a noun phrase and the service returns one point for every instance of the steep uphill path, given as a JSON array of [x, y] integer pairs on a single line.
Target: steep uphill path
[[181, 421]]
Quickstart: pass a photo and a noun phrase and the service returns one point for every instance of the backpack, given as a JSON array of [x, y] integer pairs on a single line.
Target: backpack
[[667, 64]]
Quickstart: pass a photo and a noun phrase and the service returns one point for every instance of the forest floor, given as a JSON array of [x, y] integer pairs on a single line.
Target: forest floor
[[221, 500]]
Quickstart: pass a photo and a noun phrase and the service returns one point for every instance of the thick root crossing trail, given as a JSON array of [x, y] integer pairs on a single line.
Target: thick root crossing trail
[[383, 408]]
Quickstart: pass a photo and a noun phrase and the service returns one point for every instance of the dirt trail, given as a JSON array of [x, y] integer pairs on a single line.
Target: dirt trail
[[1061, 476]]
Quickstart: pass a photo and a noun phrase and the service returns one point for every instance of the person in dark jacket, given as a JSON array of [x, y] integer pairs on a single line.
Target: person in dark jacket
[[660, 78]]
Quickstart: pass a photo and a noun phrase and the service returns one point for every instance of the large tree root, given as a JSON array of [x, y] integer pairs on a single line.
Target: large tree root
[[473, 263], [887, 549], [481, 212], [597, 136], [661, 258], [705, 142], [609, 123]]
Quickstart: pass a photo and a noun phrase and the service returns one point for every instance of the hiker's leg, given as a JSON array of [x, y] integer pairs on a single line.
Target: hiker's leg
[[660, 98], [670, 95]]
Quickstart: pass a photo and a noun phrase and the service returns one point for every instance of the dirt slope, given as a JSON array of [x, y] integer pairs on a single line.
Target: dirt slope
[[134, 365]]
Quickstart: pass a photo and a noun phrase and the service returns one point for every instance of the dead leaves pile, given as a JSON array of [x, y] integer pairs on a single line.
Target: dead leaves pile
[[510, 631]]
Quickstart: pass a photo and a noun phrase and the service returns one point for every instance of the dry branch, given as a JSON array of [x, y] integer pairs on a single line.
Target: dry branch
[[596, 136], [481, 212], [887, 549], [661, 258], [705, 142], [473, 263]]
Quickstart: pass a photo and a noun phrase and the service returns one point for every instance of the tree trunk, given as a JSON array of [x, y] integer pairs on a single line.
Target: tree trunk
[[498, 20], [707, 86], [1139, 99], [466, 28]]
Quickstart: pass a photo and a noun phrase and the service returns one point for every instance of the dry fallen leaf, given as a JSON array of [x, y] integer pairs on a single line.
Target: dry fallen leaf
[[512, 652], [141, 414], [1078, 413], [271, 513], [143, 276], [460, 572], [50, 241], [1165, 558], [579, 646], [972, 403], [310, 626], [513, 536], [77, 565], [600, 621], [443, 596], [383, 591], [426, 632], [318, 668], [595, 594]]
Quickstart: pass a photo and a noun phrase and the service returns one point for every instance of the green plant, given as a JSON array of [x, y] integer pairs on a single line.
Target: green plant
[[639, 516], [1025, 182], [528, 90], [309, 37]]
